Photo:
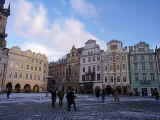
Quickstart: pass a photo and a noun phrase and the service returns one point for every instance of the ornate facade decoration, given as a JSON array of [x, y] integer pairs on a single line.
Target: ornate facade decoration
[[73, 67], [144, 79], [91, 66], [26, 71], [116, 68]]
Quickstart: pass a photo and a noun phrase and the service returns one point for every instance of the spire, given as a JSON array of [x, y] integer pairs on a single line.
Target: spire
[[9, 7]]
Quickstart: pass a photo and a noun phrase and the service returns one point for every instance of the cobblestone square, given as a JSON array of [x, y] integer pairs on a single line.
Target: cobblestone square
[[39, 108]]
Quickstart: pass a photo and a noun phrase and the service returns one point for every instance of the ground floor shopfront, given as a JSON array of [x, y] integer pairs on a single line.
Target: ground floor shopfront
[[145, 91]]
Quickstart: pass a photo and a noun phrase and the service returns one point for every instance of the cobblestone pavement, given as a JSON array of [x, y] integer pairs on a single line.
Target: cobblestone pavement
[[88, 109]]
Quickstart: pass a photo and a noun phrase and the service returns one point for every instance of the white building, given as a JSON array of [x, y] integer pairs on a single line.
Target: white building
[[3, 66], [116, 67], [91, 70]]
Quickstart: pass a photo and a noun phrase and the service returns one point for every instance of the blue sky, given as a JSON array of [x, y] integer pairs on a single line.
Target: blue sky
[[53, 26]]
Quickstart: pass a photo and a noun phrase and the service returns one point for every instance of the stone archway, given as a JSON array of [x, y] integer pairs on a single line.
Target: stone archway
[[108, 90], [18, 87], [27, 88], [36, 88], [9, 86]]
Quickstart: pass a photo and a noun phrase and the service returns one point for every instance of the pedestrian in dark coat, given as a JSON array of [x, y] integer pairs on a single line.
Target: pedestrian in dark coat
[[9, 90], [71, 99], [60, 96], [97, 94], [53, 96], [156, 95], [103, 94], [115, 94]]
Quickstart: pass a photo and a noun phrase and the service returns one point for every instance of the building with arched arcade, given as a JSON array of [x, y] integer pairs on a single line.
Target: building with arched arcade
[[26, 71]]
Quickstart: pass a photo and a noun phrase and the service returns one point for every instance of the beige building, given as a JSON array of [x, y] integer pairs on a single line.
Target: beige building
[[26, 71], [116, 67]]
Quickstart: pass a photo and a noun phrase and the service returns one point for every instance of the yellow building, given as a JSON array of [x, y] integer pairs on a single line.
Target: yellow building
[[26, 71]]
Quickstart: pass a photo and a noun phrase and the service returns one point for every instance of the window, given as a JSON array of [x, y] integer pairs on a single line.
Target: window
[[98, 67], [105, 78], [98, 77], [111, 79], [151, 65], [152, 76], [124, 79], [136, 77], [89, 68], [10, 75], [118, 67], [83, 77], [35, 77], [35, 68], [136, 66], [124, 57], [84, 60], [106, 68], [89, 59], [27, 67], [143, 66], [39, 68], [15, 75], [31, 67], [94, 68], [118, 78], [39, 78], [142, 57], [0, 59], [27, 76], [98, 58], [21, 66], [110, 67], [144, 76], [20, 75], [83, 69], [124, 66], [31, 76], [94, 58], [134, 58], [150, 58]]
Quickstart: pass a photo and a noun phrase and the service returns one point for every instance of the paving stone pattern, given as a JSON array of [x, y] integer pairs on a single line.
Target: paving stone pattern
[[87, 110]]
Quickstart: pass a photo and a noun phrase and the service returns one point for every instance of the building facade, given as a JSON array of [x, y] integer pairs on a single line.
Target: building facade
[[26, 71], [4, 13], [157, 52], [116, 68], [73, 68], [143, 71], [91, 67], [3, 67], [58, 71]]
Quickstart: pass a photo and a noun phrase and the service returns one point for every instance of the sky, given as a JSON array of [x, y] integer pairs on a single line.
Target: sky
[[52, 27]]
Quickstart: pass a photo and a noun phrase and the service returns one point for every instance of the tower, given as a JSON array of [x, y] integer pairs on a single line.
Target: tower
[[4, 13]]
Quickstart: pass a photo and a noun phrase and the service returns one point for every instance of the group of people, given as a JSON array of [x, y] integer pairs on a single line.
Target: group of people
[[102, 93], [70, 96]]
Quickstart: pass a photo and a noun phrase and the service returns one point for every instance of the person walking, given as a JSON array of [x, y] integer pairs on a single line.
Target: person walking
[[60, 96], [115, 94], [97, 94], [156, 95], [71, 99], [53, 96], [103, 94], [9, 90]]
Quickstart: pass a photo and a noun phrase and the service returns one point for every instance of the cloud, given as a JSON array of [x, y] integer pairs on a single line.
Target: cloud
[[84, 8], [51, 37]]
